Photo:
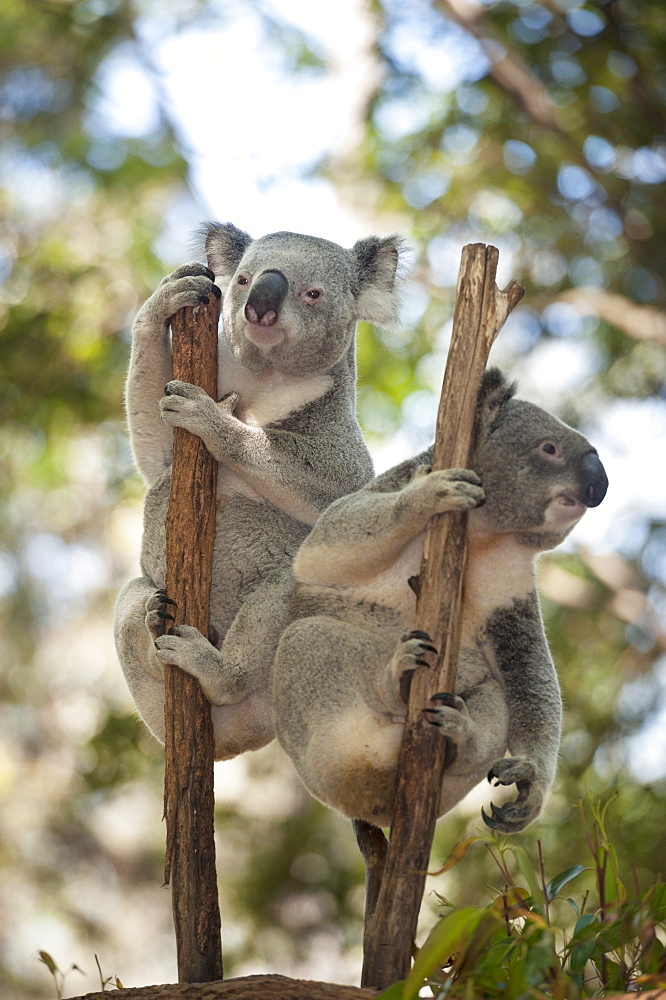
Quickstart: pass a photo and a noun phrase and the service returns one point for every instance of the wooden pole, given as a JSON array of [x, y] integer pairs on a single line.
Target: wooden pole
[[189, 745], [481, 309]]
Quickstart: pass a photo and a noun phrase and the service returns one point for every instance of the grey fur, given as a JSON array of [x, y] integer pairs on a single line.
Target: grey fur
[[287, 440], [349, 646]]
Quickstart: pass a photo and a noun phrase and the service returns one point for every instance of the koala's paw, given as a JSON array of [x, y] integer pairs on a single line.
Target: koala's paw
[[188, 406], [515, 816], [412, 652], [451, 717], [157, 614], [184, 646], [189, 285], [445, 490], [455, 489]]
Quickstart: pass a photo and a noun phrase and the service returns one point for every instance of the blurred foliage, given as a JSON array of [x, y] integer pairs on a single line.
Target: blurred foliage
[[542, 936], [540, 128], [537, 126]]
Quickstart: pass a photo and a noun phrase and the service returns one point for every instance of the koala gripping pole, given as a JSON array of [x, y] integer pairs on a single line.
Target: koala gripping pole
[[481, 309], [189, 745]]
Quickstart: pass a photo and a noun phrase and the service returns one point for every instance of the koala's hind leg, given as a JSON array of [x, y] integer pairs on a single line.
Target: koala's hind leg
[[136, 652], [252, 638], [343, 743]]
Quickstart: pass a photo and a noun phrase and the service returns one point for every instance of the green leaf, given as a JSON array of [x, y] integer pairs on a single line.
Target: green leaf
[[657, 901], [583, 925], [393, 992], [528, 870], [580, 954], [440, 945], [557, 884]]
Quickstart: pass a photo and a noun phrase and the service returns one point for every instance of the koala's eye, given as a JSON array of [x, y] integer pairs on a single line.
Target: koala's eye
[[243, 280], [311, 294], [550, 449]]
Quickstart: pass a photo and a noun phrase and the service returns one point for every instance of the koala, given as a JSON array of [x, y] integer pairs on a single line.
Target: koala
[[287, 441], [344, 661]]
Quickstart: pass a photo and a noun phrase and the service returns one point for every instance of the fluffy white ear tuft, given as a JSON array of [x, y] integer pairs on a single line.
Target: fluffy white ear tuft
[[225, 246], [381, 266]]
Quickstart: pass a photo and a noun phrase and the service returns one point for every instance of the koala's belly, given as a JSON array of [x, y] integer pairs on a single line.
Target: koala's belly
[[253, 540]]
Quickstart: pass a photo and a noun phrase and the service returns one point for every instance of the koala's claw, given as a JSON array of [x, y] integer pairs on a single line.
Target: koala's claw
[[185, 287], [452, 700], [165, 598], [415, 633], [514, 816], [451, 717], [512, 771], [511, 818], [412, 652], [156, 613], [230, 401], [177, 388]]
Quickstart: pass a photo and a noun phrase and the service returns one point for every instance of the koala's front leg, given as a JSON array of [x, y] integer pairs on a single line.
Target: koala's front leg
[[279, 465], [364, 533], [436, 492], [150, 363], [535, 710]]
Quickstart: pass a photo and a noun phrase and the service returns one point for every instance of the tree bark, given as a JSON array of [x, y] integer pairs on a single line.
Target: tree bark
[[245, 988], [271, 988], [189, 745], [481, 310]]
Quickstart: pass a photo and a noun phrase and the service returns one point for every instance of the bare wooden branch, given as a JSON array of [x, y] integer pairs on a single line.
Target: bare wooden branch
[[481, 310], [189, 746]]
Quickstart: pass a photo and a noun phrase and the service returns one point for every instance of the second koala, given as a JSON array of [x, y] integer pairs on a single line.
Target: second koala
[[287, 440], [342, 663]]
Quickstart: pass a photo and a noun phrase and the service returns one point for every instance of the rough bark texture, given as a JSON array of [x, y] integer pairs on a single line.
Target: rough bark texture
[[481, 309], [272, 988], [188, 785], [246, 988]]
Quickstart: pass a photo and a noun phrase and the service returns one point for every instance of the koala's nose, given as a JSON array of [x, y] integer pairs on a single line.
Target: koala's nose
[[593, 479], [266, 296]]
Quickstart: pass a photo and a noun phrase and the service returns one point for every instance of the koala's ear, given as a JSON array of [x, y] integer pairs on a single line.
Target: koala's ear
[[225, 246], [380, 266], [494, 394]]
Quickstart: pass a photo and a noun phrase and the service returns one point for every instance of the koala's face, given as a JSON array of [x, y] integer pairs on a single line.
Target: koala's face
[[290, 305], [539, 476]]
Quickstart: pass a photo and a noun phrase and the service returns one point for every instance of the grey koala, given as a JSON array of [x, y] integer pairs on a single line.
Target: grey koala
[[345, 659], [287, 440]]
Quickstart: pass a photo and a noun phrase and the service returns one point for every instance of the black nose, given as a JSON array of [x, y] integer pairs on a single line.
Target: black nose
[[593, 480], [266, 296]]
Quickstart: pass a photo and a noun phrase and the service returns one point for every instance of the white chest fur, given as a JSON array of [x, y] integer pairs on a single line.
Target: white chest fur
[[265, 399], [499, 569]]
